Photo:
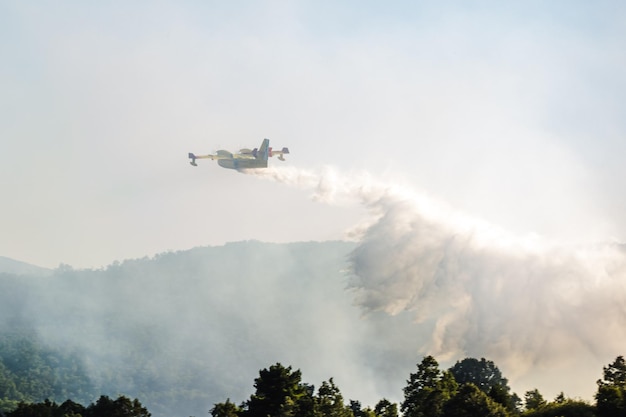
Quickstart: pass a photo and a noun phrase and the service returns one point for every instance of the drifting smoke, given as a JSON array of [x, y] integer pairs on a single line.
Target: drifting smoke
[[483, 292]]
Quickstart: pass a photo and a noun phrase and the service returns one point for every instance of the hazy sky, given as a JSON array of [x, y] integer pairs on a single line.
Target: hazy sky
[[513, 112], [501, 124]]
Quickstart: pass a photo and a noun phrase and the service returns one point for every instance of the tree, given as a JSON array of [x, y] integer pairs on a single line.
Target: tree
[[486, 376], [472, 402], [227, 409], [610, 401], [44, 409], [482, 373], [355, 408], [306, 403], [385, 408], [615, 373], [121, 407], [279, 392], [564, 407], [533, 400], [358, 411], [611, 395], [104, 407], [329, 401], [71, 409], [427, 390], [501, 395]]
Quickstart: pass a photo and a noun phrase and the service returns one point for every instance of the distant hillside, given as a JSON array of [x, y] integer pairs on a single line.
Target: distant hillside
[[11, 266], [184, 330]]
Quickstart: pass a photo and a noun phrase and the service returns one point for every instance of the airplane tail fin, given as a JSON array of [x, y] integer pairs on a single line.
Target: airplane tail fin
[[193, 159], [264, 150], [281, 154]]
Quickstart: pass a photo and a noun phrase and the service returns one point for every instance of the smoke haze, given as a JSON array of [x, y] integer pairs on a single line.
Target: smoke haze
[[184, 330], [472, 289], [510, 111]]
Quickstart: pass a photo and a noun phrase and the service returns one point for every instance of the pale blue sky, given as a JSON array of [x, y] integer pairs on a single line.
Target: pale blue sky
[[510, 111]]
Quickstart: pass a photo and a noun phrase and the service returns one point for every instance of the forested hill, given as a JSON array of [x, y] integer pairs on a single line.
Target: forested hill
[[184, 331], [181, 330]]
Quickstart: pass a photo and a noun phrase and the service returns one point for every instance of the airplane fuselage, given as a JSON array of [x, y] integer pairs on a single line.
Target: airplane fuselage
[[242, 163]]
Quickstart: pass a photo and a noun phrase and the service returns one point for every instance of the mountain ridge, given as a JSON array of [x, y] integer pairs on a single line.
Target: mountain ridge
[[13, 266]]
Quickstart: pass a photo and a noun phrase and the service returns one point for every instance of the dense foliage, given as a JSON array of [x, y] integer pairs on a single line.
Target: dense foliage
[[280, 392], [104, 407], [30, 371], [429, 392], [611, 395]]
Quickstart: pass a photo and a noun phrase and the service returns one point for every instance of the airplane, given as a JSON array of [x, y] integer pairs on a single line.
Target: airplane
[[245, 159]]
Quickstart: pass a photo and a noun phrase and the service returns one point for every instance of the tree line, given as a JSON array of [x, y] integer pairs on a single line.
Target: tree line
[[104, 407], [470, 388]]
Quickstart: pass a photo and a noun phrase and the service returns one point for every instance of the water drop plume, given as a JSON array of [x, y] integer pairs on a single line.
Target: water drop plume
[[522, 300]]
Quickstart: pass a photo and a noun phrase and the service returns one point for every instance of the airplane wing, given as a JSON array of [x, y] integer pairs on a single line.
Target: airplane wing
[[219, 155]]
